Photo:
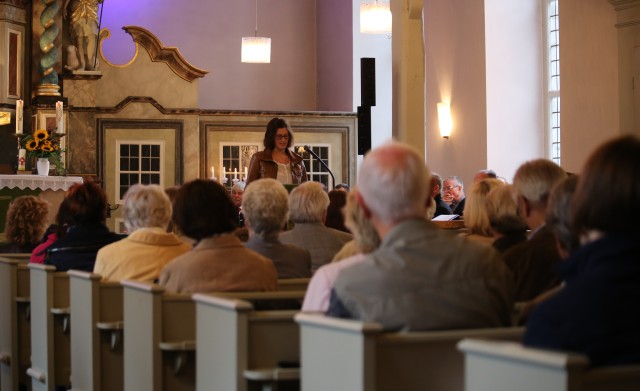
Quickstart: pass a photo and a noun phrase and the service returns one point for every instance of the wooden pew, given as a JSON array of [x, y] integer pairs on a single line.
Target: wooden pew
[[50, 326], [15, 328], [293, 284], [236, 343], [506, 366], [159, 352], [339, 354], [96, 338]]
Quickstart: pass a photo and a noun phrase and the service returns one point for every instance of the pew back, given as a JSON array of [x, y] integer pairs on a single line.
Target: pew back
[[235, 342], [159, 353], [50, 341], [15, 336], [351, 355], [502, 366], [293, 284], [96, 340]]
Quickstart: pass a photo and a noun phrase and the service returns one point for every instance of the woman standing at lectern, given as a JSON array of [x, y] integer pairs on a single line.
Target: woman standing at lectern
[[277, 161]]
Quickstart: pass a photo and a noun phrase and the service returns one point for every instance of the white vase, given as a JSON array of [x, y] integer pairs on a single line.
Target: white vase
[[43, 166]]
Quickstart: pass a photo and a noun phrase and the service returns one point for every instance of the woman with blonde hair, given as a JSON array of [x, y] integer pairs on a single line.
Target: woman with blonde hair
[[475, 213], [26, 223], [507, 227]]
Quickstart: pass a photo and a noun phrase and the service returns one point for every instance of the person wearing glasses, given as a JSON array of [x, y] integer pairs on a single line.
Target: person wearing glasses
[[277, 160], [453, 193]]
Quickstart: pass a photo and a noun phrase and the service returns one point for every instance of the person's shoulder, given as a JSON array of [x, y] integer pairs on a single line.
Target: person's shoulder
[[297, 251], [343, 236]]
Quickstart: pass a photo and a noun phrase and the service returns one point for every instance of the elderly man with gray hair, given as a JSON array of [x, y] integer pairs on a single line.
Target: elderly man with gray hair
[[266, 209], [140, 256], [420, 278], [533, 262], [308, 207]]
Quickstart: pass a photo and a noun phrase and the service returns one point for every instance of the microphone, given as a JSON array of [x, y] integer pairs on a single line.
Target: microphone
[[310, 151]]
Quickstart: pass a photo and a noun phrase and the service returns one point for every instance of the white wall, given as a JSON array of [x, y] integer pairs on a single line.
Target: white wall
[[377, 46], [456, 71], [588, 78], [515, 84]]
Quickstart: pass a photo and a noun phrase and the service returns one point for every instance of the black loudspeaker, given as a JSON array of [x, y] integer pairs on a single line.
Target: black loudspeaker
[[367, 81], [364, 129]]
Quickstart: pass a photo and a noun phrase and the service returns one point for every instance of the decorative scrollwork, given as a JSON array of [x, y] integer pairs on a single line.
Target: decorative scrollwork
[[50, 53]]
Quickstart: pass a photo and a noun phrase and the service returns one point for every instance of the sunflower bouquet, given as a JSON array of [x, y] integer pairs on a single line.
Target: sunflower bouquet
[[43, 144]]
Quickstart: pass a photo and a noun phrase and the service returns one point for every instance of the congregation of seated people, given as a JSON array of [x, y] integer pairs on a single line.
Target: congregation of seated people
[[547, 244]]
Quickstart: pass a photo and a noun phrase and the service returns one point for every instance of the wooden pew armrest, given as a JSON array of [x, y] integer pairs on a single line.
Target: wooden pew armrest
[[37, 374], [64, 312], [115, 328], [23, 299], [5, 359], [180, 348], [272, 374]]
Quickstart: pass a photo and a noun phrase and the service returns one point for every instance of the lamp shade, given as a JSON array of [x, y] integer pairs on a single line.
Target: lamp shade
[[256, 50], [375, 17], [444, 119]]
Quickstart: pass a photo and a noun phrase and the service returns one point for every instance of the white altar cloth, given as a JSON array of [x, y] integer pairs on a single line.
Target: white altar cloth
[[34, 182]]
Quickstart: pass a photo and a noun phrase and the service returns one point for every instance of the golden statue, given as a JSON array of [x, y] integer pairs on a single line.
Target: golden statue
[[84, 30]]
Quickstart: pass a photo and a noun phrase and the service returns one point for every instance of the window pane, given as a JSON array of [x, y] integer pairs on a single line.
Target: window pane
[[146, 164], [146, 150], [134, 164], [155, 150], [124, 150], [155, 164]]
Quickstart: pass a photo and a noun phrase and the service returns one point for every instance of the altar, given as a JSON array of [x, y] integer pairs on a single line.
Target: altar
[[51, 188]]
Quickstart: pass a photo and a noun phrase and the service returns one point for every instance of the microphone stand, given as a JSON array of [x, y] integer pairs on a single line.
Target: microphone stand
[[306, 148]]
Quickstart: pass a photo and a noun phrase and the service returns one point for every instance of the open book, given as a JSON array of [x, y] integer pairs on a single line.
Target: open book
[[445, 217]]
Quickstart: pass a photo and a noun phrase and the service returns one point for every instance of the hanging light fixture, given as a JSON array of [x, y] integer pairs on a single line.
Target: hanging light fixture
[[375, 17], [256, 49]]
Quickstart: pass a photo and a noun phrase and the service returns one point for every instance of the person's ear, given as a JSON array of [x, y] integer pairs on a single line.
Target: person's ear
[[363, 205]]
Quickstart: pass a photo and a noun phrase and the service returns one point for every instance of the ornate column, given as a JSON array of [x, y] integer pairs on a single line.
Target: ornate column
[[49, 44], [408, 73], [628, 25]]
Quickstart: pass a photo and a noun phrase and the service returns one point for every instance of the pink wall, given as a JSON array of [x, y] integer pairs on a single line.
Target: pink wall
[[208, 34], [334, 48], [455, 71]]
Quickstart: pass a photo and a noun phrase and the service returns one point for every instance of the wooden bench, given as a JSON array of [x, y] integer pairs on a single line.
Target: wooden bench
[[293, 284], [15, 327], [339, 354], [237, 344], [96, 338], [159, 334], [50, 326], [507, 366]]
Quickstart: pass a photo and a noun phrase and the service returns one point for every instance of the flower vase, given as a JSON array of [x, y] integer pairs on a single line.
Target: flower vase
[[43, 166]]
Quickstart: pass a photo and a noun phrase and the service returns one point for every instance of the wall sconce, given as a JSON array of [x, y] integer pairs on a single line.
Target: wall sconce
[[256, 49], [5, 117], [444, 119], [375, 17]]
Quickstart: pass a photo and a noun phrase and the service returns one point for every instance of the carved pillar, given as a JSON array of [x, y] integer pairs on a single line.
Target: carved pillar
[[628, 25], [408, 73], [48, 40]]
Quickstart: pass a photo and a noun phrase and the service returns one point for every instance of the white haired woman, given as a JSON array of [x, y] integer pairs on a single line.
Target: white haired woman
[[266, 209], [147, 213]]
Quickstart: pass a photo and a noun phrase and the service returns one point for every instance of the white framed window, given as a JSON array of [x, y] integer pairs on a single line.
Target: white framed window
[[138, 162], [552, 78], [236, 156], [315, 170]]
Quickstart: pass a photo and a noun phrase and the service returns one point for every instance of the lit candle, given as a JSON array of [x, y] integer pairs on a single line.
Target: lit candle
[[19, 108], [213, 172], [235, 173], [245, 173], [22, 158], [59, 117], [224, 173]]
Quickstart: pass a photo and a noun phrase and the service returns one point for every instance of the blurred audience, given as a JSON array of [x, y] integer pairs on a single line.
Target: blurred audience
[[420, 278], [342, 187], [365, 240], [25, 224], [532, 262], [53, 233], [453, 194], [308, 208], [335, 218], [484, 174], [476, 218], [593, 313], [141, 255], [507, 227], [266, 209], [442, 208], [86, 233], [219, 261]]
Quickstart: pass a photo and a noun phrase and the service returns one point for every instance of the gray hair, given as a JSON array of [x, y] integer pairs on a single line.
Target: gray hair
[[535, 179], [146, 206], [502, 211], [457, 180], [265, 206], [394, 182], [308, 203], [239, 186], [364, 233]]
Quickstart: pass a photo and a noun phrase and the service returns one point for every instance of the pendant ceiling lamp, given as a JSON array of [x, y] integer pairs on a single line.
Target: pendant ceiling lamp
[[256, 49], [375, 17]]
